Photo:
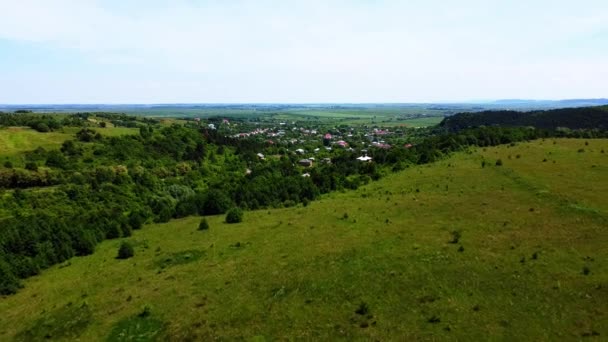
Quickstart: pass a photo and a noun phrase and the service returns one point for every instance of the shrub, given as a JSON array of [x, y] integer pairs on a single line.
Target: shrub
[[31, 166], [204, 225], [234, 215], [145, 312], [305, 202], [499, 162], [125, 251], [363, 309], [9, 165], [586, 270], [455, 236]]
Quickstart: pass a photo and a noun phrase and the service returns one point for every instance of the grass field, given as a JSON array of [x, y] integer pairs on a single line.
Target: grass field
[[452, 251], [15, 140]]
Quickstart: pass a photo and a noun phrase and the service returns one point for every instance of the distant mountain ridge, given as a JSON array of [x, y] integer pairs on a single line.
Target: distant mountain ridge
[[573, 118]]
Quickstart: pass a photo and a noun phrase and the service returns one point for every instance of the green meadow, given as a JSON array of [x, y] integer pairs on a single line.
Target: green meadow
[[462, 249], [17, 140]]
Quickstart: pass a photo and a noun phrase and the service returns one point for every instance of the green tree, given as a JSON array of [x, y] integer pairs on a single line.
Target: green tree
[[234, 215], [204, 225], [125, 251]]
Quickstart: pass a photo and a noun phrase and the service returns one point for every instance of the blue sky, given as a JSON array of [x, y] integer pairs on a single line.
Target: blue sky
[[153, 51]]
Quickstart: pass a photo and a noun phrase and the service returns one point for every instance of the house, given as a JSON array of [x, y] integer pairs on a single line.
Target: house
[[300, 151], [365, 159], [342, 143], [261, 156], [306, 174], [305, 162]]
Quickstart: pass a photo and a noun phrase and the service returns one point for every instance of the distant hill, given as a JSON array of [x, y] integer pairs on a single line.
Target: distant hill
[[555, 103], [574, 118]]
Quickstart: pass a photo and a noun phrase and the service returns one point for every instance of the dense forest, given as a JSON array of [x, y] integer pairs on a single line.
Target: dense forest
[[571, 118], [62, 202]]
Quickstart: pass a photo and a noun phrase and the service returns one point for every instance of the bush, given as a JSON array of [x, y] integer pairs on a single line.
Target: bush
[[125, 251], [456, 235], [499, 162], [204, 225], [234, 215], [31, 166]]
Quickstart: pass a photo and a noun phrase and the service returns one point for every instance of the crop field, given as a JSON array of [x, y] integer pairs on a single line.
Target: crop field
[[462, 249]]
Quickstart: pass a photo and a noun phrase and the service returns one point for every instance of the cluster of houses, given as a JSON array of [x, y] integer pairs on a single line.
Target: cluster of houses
[[312, 142]]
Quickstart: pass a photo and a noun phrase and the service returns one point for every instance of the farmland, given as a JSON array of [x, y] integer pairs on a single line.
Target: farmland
[[459, 249]]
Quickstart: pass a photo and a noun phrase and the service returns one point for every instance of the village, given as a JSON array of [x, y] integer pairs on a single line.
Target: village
[[314, 142]]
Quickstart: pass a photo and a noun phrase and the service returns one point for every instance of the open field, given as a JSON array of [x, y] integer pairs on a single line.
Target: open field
[[15, 140], [451, 250]]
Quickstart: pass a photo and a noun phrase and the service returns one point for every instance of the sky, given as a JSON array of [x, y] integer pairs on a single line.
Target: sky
[[311, 51]]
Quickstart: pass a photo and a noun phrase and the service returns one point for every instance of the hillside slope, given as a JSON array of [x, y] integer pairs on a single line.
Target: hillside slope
[[573, 118], [451, 250]]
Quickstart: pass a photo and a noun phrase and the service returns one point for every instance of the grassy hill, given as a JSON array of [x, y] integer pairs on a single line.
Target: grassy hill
[[451, 250]]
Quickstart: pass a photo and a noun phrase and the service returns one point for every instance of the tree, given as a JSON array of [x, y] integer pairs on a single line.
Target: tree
[[234, 215], [204, 225], [42, 127], [125, 251], [9, 283]]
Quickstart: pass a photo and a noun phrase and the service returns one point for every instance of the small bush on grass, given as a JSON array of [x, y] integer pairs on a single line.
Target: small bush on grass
[[204, 225], [455, 236], [125, 251], [234, 215]]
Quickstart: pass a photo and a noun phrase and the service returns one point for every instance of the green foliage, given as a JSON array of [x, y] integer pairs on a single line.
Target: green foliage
[[234, 215], [95, 188], [325, 282], [572, 118], [204, 225], [9, 283], [125, 251], [32, 166], [498, 162]]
